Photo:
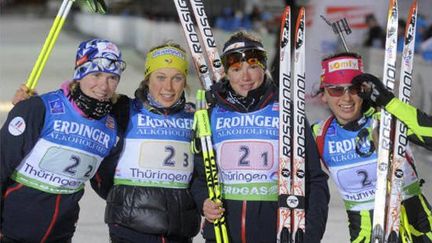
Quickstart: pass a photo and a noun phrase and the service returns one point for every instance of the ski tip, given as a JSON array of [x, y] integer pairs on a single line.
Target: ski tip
[[413, 9], [300, 28], [285, 27], [410, 26], [300, 18]]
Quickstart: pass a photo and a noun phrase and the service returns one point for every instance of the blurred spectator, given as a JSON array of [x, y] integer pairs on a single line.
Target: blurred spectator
[[426, 50], [421, 29], [375, 36], [258, 19], [426, 45], [228, 20], [428, 32], [400, 35]]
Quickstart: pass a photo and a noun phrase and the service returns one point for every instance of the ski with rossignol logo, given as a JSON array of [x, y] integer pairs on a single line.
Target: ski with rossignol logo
[[400, 138], [299, 123], [291, 213], [385, 126], [208, 40], [285, 130]]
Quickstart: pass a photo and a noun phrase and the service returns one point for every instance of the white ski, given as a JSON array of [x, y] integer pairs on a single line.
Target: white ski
[[285, 131], [299, 140], [399, 146], [384, 144], [208, 40]]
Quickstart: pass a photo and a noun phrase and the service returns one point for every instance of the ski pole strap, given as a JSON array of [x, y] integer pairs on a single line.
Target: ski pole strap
[[194, 147]]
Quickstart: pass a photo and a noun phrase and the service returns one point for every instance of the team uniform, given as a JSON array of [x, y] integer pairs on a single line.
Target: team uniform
[[245, 138], [350, 157], [150, 200], [52, 150]]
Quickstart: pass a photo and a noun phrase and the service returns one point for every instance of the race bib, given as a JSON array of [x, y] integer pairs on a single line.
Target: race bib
[[246, 155], [357, 179], [69, 163], [166, 155]]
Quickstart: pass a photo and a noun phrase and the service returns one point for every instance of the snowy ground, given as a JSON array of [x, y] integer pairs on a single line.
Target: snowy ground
[[21, 38]]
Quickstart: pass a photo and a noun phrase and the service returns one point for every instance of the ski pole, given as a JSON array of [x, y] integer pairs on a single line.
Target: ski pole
[[339, 27], [214, 189], [92, 5], [201, 119]]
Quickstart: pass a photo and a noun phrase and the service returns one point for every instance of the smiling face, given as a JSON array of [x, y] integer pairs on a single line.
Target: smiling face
[[166, 85], [345, 108], [244, 77], [99, 85]]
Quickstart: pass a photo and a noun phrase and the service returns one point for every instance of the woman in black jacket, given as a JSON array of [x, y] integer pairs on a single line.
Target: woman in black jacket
[[244, 123], [150, 200]]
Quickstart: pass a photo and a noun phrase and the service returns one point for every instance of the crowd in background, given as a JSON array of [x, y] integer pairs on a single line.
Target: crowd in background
[[233, 16], [423, 38]]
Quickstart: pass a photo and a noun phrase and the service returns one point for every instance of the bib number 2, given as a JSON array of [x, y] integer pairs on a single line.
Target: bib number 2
[[247, 155], [69, 163]]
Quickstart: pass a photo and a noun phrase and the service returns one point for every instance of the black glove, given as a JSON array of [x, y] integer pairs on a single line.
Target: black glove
[[373, 89]]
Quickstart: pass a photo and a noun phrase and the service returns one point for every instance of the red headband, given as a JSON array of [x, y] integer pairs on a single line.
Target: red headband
[[340, 70]]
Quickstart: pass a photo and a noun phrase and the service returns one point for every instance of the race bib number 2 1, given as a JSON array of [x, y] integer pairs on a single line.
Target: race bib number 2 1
[[246, 155]]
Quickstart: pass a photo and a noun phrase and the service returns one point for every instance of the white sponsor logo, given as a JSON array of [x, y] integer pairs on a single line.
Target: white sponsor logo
[[17, 126], [235, 46], [343, 64], [292, 201], [247, 121]]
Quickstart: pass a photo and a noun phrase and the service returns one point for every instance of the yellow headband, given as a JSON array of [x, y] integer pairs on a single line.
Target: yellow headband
[[166, 57]]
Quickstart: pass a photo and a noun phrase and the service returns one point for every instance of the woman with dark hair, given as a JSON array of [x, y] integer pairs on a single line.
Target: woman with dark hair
[[348, 151], [247, 152]]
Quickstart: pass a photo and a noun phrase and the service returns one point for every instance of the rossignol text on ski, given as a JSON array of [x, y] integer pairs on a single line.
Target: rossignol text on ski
[[391, 157], [291, 213]]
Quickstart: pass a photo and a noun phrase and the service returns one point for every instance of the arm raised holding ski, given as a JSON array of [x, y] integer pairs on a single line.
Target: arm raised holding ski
[[418, 122]]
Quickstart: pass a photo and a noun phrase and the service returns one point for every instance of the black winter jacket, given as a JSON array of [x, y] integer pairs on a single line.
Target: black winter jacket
[[140, 211]]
